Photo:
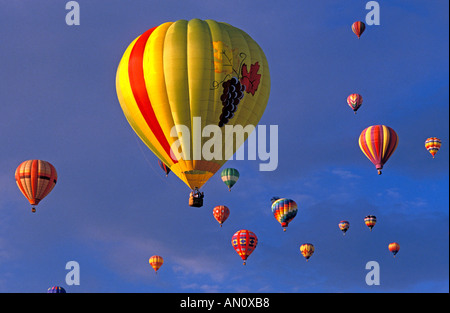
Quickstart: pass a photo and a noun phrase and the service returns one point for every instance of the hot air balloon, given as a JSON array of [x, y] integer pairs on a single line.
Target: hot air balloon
[[229, 176], [56, 289], [378, 143], [354, 101], [35, 179], [307, 250], [284, 210], [273, 199], [244, 242], [156, 261], [164, 167], [433, 145], [358, 28], [370, 221], [344, 226], [394, 248], [221, 213], [179, 77]]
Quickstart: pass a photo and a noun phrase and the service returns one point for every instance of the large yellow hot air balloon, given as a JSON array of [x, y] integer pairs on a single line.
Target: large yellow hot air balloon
[[177, 78]]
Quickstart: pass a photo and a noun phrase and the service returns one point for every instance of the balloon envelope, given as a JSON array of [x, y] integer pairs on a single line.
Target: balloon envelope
[[378, 143], [56, 289], [229, 176], [370, 221], [358, 28], [221, 213], [179, 77], [164, 167], [284, 210], [244, 242], [433, 144], [354, 101], [35, 179], [394, 248], [344, 226], [307, 250], [156, 261]]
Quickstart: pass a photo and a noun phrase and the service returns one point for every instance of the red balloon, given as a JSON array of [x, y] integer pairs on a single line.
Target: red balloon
[[244, 242], [358, 28], [221, 213]]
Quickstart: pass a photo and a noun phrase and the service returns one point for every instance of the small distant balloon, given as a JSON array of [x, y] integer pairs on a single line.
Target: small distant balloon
[[370, 221], [344, 226], [156, 262], [56, 289], [230, 176], [221, 213], [394, 248], [35, 179], [307, 250], [358, 28], [433, 144], [354, 101], [164, 167]]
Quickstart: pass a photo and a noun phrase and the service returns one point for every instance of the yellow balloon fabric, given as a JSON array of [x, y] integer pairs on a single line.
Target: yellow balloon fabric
[[174, 78]]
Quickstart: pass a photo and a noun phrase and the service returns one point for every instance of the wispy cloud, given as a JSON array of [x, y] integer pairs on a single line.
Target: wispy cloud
[[344, 174]]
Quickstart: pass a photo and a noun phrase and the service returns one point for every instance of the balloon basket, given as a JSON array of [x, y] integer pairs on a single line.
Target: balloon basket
[[195, 202]]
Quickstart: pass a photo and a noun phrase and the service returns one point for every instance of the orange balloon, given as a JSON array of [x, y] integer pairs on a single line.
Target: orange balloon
[[35, 178], [156, 261], [221, 213]]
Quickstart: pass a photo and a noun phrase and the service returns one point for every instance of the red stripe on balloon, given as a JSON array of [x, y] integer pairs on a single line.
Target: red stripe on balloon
[[137, 82]]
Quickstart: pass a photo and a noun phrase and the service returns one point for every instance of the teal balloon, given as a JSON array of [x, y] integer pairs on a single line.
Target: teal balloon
[[230, 177]]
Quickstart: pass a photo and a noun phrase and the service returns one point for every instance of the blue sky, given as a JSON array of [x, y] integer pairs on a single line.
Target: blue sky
[[113, 208]]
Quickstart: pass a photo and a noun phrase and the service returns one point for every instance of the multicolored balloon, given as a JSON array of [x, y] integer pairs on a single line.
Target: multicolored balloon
[[221, 213], [358, 28], [164, 167], [244, 242], [229, 176], [344, 226], [370, 221], [156, 261], [56, 289], [35, 179], [179, 77], [378, 143], [284, 210], [433, 144], [307, 250], [354, 101], [394, 248]]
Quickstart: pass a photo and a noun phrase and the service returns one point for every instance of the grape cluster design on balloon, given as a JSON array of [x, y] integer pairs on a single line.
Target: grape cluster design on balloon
[[235, 83], [233, 92]]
